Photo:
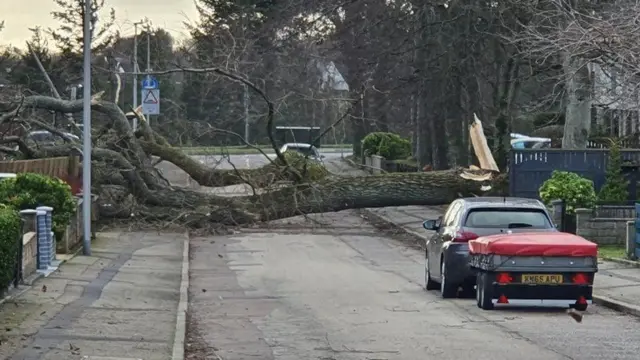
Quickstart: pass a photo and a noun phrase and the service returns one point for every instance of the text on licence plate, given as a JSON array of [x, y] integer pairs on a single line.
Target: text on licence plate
[[542, 279]]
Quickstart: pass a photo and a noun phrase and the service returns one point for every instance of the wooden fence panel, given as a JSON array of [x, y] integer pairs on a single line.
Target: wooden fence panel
[[64, 168]]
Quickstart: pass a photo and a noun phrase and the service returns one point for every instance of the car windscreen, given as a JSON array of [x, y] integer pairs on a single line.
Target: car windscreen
[[507, 218]]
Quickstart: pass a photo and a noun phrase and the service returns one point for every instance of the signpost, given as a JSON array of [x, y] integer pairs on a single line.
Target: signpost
[[151, 101], [150, 96]]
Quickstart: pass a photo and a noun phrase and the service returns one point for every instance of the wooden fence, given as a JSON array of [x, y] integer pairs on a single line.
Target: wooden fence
[[63, 168]]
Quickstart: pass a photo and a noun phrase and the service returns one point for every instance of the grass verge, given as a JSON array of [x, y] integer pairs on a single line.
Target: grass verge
[[612, 251]]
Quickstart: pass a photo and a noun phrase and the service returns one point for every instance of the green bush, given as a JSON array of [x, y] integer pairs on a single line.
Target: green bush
[[616, 187], [575, 190], [388, 145], [10, 234], [28, 191]]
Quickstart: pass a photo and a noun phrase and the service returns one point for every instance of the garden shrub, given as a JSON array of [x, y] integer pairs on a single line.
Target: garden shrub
[[388, 145], [616, 186], [575, 190], [10, 234], [29, 190]]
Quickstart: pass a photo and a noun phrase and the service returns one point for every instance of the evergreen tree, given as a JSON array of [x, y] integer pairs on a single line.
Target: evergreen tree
[[69, 36], [69, 39], [616, 187], [27, 73]]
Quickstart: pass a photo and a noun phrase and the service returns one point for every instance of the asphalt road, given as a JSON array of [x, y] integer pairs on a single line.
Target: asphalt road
[[256, 160], [342, 291]]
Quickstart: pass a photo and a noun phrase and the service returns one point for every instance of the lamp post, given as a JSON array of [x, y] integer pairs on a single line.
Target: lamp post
[[86, 132]]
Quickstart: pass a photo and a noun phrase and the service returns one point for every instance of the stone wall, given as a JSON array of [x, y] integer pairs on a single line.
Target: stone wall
[[377, 164], [604, 231], [29, 254]]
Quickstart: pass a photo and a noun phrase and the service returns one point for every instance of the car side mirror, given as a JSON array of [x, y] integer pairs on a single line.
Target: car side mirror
[[432, 225]]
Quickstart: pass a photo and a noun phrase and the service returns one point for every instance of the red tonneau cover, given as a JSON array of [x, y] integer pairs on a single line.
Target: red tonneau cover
[[534, 244]]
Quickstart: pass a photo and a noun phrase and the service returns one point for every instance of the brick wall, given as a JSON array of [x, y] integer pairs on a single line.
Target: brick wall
[[604, 231]]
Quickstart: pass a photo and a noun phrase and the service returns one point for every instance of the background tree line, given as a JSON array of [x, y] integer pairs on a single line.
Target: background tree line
[[420, 69]]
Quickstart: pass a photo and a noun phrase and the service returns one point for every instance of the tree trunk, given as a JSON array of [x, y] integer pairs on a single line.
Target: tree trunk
[[579, 88]]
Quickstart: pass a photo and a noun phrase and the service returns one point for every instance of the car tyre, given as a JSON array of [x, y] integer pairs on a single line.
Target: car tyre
[[447, 290], [486, 292], [429, 284]]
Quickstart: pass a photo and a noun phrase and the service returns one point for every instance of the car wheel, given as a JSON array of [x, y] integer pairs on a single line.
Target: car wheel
[[447, 290], [429, 284], [486, 296]]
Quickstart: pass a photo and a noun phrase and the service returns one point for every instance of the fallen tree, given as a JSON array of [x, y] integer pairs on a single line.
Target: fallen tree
[[130, 186]]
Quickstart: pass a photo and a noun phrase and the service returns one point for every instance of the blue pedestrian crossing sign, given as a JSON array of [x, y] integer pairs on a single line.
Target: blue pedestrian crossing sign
[[149, 82]]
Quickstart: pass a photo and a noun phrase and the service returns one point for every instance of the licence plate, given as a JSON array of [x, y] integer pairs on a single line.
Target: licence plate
[[542, 279]]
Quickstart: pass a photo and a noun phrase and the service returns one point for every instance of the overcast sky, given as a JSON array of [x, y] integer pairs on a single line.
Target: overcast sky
[[20, 15]]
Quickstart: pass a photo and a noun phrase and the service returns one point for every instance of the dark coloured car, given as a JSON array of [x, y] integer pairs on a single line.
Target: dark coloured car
[[447, 251]]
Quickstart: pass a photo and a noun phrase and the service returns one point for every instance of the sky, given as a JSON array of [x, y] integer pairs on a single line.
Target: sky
[[20, 15]]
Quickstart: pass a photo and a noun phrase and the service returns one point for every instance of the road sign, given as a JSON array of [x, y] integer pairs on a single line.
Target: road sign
[[150, 101], [149, 82]]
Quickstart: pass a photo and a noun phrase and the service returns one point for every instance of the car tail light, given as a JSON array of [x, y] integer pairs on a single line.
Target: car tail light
[[464, 236], [503, 278], [580, 278], [503, 300]]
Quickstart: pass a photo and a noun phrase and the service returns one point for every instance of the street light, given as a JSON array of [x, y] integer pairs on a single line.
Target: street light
[[86, 132]]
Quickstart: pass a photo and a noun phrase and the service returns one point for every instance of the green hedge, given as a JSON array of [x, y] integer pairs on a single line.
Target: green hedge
[[10, 234], [388, 145], [28, 191]]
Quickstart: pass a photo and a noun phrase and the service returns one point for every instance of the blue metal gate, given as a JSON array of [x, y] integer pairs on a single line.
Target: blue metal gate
[[530, 168]]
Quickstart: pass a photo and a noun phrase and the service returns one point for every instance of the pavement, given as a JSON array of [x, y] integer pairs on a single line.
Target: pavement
[[121, 303], [331, 286]]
